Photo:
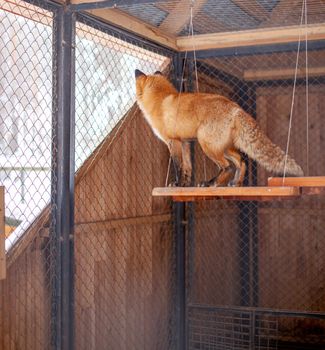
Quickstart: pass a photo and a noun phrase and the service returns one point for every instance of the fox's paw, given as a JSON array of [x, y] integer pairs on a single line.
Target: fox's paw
[[233, 183]]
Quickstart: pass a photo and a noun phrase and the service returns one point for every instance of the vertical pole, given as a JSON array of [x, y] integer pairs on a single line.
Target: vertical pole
[[179, 217], [63, 176], [244, 224], [249, 228], [254, 214], [190, 211]]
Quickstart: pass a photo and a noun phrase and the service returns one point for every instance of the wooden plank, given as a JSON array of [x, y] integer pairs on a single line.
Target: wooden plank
[[180, 16], [263, 36], [2, 235], [307, 181], [130, 23], [234, 193], [267, 74]]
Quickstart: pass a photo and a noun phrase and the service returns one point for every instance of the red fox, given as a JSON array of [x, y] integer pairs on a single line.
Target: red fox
[[221, 127]]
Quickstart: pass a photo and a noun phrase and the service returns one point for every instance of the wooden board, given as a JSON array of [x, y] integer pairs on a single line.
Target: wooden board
[[234, 193], [261, 36], [2, 236], [307, 181]]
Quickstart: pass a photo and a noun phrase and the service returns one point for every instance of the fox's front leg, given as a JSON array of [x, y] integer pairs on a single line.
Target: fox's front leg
[[181, 158]]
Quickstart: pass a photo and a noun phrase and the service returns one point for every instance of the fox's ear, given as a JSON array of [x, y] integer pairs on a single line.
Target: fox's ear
[[138, 73], [158, 73]]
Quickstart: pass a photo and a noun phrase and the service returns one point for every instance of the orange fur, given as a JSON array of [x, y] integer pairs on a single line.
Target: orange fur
[[221, 127]]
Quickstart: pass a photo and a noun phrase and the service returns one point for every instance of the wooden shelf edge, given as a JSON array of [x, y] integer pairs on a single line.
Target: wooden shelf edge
[[306, 181]]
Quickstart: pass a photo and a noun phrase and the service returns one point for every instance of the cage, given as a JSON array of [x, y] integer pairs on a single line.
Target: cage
[[92, 259]]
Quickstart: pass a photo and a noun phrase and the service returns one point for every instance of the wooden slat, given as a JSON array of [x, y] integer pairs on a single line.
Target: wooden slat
[[263, 36], [307, 181], [180, 16], [284, 73], [2, 235], [234, 193], [130, 23]]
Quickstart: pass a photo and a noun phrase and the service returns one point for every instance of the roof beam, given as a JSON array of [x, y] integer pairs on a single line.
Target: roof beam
[[279, 35], [180, 16], [132, 24], [113, 3]]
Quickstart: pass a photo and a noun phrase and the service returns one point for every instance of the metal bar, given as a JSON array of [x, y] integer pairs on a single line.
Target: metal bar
[[123, 34], [244, 223], [260, 311], [179, 215], [254, 213], [255, 50], [64, 168], [179, 212], [109, 4], [190, 212]]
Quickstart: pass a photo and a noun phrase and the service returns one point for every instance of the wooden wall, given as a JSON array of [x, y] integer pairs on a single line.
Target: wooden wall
[[291, 239], [124, 245]]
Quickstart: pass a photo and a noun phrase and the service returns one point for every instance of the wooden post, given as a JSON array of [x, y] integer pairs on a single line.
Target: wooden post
[[2, 235]]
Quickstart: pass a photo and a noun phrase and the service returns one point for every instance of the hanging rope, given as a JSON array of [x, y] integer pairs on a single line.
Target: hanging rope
[[196, 75], [293, 94], [190, 33]]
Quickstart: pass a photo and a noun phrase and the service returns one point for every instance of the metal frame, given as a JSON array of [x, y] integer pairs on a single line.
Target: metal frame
[[63, 163], [179, 214], [64, 116]]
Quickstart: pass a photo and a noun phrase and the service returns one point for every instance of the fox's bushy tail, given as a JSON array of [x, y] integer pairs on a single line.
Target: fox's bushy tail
[[250, 139]]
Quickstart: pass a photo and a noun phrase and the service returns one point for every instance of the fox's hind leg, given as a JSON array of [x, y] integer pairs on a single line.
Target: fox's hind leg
[[235, 157], [216, 154]]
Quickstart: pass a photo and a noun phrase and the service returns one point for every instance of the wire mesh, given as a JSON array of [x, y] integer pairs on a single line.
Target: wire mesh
[[123, 240], [261, 254], [211, 16], [251, 266]]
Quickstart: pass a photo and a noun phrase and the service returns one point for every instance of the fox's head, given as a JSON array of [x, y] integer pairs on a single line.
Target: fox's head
[[151, 84]]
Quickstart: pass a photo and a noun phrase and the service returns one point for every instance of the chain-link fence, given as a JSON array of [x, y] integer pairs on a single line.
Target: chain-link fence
[[26, 143], [247, 260], [123, 245], [254, 270]]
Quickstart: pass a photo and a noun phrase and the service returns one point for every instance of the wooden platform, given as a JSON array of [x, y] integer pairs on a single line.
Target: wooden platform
[[189, 194], [277, 189]]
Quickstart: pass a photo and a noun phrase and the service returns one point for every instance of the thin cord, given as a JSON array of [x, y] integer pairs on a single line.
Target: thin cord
[[293, 96], [307, 91], [168, 169], [196, 75], [194, 50]]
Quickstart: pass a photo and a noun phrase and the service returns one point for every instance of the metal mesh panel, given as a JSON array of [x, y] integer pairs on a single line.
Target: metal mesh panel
[[123, 239], [213, 16], [217, 328], [26, 144], [261, 254]]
